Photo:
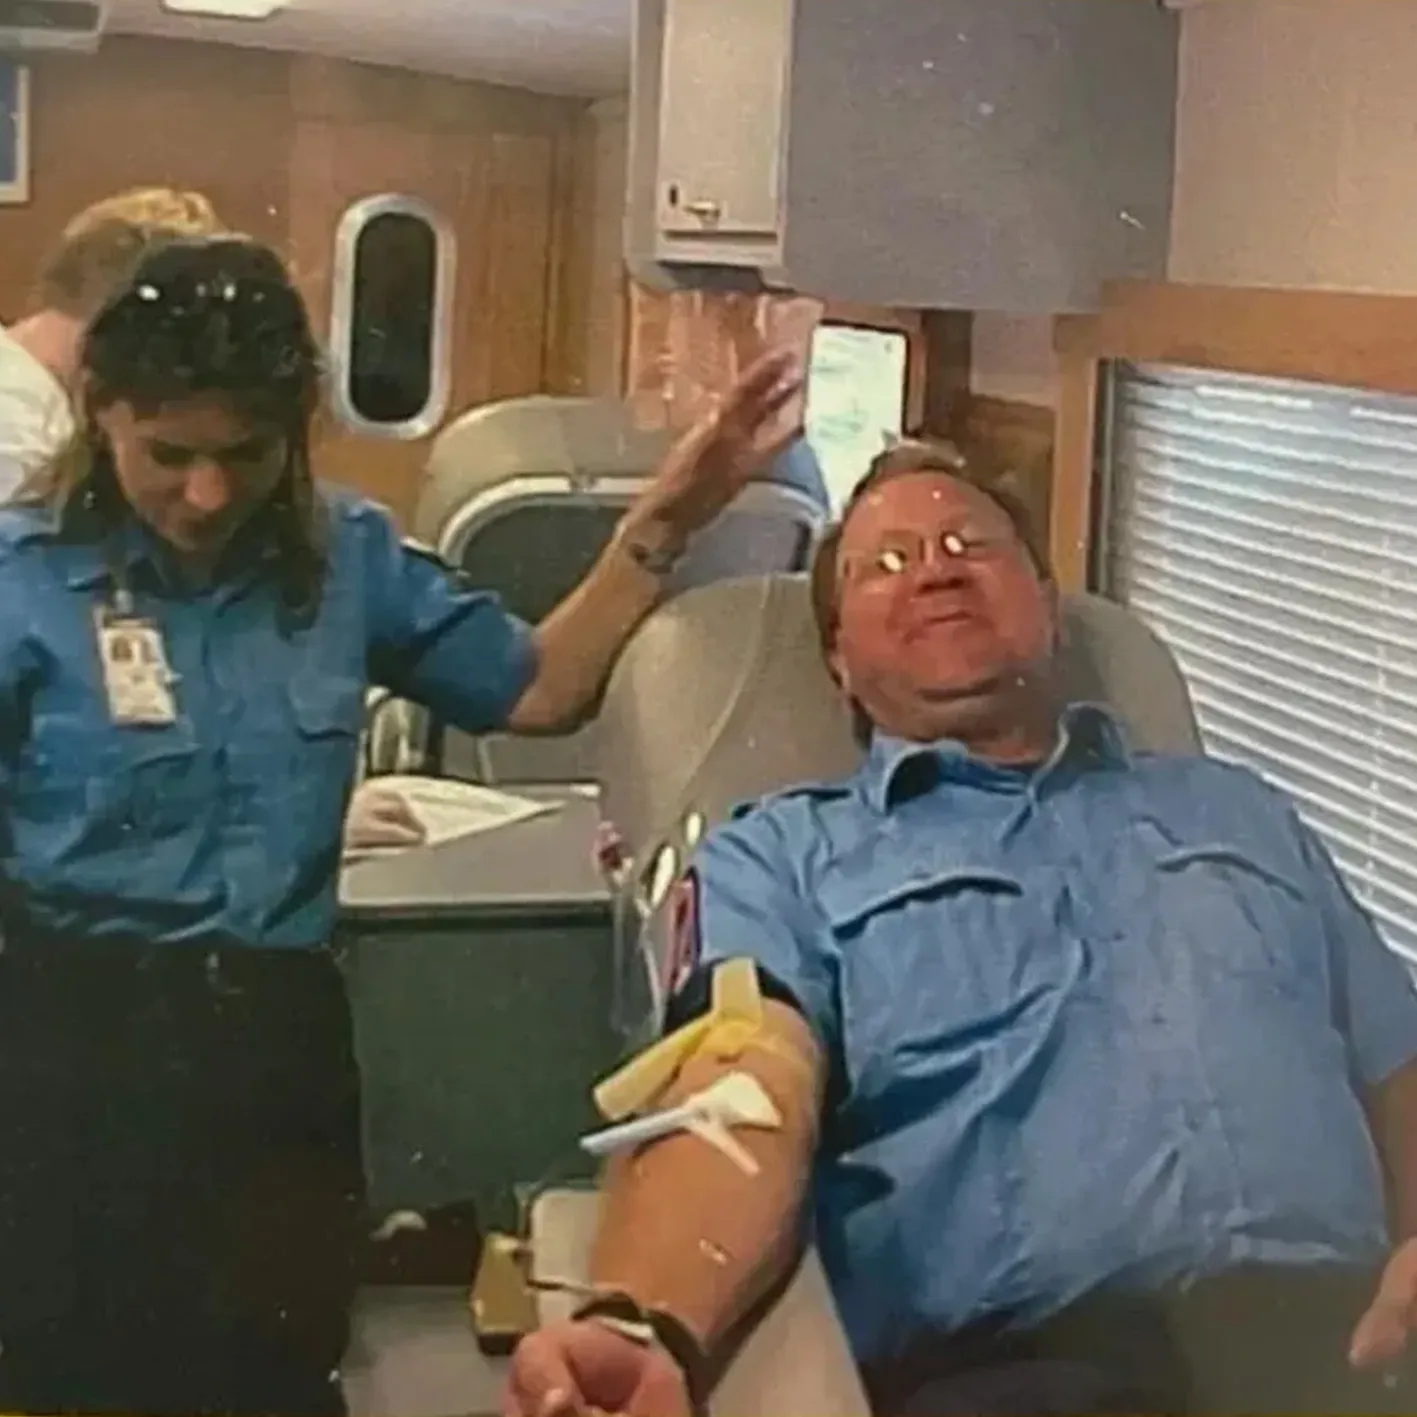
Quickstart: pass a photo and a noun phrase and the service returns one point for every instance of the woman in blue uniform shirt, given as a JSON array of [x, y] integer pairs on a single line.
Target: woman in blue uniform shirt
[[187, 629]]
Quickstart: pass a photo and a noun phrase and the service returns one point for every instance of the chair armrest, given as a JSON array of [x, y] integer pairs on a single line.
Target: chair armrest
[[794, 1362]]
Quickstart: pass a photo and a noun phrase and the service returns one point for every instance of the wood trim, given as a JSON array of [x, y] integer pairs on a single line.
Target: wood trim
[[874, 317], [1075, 424], [1011, 417], [1338, 338], [1327, 337], [949, 370], [568, 263], [1014, 441], [622, 334]]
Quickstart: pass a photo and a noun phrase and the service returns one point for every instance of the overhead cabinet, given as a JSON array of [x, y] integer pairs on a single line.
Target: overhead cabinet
[[988, 154]]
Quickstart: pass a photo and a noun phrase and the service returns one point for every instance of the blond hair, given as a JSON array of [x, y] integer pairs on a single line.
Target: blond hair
[[104, 244]]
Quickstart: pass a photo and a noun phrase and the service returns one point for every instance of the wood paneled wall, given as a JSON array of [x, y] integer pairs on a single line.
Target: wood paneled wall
[[686, 345], [706, 333], [530, 184], [1016, 440], [1006, 436], [283, 144]]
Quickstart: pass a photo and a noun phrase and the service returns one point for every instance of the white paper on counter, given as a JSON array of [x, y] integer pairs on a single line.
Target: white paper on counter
[[450, 809]]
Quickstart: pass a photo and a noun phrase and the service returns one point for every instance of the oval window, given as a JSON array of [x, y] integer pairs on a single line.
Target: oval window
[[389, 321]]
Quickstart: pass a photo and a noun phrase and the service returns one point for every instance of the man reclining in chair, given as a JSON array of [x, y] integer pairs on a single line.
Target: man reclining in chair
[[1095, 1087]]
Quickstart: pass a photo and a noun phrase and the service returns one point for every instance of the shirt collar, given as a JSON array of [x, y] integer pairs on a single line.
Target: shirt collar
[[1089, 736], [96, 562], [133, 548]]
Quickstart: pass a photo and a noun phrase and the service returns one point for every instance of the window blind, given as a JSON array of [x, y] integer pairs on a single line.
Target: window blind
[[1268, 531]]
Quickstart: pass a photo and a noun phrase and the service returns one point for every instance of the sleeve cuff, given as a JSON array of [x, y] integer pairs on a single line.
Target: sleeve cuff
[[523, 661]]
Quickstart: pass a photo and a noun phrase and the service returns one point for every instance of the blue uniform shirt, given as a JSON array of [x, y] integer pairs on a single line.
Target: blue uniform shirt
[[1103, 1023], [226, 824]]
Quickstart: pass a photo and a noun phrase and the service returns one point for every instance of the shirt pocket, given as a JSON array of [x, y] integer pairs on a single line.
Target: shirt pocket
[[115, 786], [939, 960], [327, 706], [1241, 912], [328, 713]]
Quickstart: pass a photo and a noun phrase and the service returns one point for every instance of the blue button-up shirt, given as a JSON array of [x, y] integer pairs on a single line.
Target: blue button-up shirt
[[1102, 1023], [224, 825]]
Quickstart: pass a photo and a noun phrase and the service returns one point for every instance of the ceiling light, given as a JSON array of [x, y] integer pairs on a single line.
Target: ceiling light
[[225, 9]]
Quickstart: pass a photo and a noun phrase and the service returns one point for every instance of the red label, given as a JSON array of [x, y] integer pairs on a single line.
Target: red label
[[685, 943]]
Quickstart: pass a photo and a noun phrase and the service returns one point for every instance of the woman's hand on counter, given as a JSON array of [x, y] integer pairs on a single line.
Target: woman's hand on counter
[[379, 819]]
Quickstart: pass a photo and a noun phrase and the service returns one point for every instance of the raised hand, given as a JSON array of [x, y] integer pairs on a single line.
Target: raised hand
[[711, 463]]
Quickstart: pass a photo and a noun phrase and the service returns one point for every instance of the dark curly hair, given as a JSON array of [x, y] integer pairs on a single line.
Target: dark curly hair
[[200, 317]]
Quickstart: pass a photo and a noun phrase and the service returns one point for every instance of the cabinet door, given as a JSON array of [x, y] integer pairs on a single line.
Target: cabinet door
[[723, 87]]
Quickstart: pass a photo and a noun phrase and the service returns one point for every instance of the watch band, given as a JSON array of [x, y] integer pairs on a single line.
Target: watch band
[[627, 1317], [657, 560]]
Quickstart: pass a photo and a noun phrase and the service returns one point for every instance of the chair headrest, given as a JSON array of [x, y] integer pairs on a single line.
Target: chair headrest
[[572, 442], [524, 495], [1109, 655]]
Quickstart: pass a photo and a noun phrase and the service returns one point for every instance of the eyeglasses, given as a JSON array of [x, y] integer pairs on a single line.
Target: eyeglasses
[[904, 552]]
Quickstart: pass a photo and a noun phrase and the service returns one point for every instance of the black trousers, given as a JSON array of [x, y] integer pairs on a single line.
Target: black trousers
[[1257, 1340], [181, 1188]]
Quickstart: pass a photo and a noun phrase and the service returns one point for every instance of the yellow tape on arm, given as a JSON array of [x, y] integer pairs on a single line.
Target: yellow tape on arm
[[736, 1000], [736, 995], [733, 1024], [645, 1076]]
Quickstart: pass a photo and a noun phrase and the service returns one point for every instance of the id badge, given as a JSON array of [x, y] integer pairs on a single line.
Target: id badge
[[136, 677]]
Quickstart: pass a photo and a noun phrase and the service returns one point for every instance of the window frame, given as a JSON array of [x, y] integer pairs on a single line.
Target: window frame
[[358, 215], [837, 495], [1358, 342], [1343, 339], [911, 324]]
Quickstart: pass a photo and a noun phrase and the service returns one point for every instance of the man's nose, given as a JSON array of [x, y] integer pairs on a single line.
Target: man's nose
[[938, 567], [208, 488]]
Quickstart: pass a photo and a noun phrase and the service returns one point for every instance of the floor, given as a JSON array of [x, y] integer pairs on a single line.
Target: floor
[[413, 1355]]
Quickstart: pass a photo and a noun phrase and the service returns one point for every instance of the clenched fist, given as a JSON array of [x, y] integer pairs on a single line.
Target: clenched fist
[[582, 1368]]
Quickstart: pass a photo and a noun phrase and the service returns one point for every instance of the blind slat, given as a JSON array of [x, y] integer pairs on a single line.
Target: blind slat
[[1268, 531]]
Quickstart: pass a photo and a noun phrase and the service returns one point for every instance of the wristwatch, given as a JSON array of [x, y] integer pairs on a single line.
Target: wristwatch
[[656, 558], [654, 1328]]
